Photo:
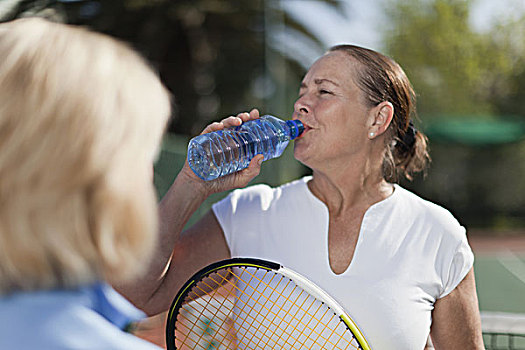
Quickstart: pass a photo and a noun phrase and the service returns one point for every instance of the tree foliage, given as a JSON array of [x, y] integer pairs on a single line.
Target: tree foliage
[[213, 55], [468, 75], [455, 69]]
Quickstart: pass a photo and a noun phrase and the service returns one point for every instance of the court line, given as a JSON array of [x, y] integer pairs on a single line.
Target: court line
[[513, 264]]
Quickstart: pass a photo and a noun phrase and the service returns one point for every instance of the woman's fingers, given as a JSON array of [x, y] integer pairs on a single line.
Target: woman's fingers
[[215, 126], [242, 178], [254, 114], [254, 168], [232, 121]]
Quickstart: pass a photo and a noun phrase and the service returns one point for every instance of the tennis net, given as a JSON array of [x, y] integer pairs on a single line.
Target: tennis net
[[503, 331]]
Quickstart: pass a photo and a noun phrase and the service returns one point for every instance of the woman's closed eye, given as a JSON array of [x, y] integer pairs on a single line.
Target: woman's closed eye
[[324, 91]]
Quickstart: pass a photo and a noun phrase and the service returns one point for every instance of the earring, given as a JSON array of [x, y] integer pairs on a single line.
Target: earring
[[371, 135]]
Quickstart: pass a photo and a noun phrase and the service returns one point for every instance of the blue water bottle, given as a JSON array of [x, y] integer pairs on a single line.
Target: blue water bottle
[[223, 152]]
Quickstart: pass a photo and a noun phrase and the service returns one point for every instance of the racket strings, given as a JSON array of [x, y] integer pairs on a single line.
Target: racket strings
[[275, 314], [261, 314], [278, 326], [197, 312], [248, 310], [269, 299], [203, 309], [312, 315], [249, 313], [208, 306]]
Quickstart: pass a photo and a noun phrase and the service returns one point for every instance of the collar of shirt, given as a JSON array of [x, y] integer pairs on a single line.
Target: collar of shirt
[[112, 306], [99, 297]]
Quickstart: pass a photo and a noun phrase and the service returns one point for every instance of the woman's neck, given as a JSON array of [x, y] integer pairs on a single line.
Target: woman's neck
[[347, 190]]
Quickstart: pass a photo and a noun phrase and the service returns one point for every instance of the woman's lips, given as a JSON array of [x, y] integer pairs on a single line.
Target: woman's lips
[[305, 130]]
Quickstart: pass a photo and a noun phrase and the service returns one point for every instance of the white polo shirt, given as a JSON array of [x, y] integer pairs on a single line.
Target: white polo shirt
[[410, 252]]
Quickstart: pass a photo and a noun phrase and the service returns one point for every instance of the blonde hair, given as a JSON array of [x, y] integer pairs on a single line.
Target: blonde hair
[[81, 117]]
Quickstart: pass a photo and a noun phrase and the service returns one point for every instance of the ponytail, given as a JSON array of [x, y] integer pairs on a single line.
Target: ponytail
[[410, 153]]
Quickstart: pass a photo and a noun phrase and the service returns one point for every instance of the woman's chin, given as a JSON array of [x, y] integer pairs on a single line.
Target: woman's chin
[[301, 155]]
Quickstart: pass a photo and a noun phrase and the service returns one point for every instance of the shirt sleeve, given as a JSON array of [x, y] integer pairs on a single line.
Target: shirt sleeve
[[223, 210], [240, 216], [462, 262]]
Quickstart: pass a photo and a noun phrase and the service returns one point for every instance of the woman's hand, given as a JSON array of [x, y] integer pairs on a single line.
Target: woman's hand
[[236, 180]]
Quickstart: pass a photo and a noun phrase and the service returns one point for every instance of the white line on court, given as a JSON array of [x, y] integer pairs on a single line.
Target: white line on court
[[513, 264]]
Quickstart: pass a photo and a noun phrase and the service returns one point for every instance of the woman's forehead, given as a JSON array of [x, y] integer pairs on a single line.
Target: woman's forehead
[[334, 66]]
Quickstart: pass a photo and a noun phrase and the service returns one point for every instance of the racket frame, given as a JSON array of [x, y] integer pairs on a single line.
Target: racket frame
[[300, 280]]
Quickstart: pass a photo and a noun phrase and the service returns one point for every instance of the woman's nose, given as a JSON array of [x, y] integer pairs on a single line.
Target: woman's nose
[[301, 106]]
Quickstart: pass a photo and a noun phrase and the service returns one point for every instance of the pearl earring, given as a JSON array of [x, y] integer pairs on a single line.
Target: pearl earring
[[371, 134]]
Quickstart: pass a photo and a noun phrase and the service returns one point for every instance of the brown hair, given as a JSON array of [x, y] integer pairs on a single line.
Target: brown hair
[[382, 79], [81, 117]]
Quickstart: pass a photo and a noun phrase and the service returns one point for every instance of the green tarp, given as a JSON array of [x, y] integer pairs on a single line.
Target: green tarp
[[475, 131]]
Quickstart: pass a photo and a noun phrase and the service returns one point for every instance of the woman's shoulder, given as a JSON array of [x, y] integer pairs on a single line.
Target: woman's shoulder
[[266, 193], [60, 320], [425, 210]]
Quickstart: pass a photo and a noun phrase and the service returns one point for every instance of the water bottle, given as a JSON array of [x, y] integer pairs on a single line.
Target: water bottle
[[223, 152]]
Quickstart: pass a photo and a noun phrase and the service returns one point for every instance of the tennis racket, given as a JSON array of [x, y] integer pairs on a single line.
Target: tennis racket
[[253, 304]]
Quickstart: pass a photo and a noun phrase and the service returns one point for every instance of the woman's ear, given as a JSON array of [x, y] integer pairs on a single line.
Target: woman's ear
[[381, 117]]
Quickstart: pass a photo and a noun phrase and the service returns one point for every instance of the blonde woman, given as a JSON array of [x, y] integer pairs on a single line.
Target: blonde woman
[[81, 116]]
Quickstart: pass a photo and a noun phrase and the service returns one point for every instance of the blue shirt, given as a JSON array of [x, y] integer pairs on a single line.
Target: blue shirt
[[85, 318]]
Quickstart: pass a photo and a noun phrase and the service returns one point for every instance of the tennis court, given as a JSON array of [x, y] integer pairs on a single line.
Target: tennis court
[[500, 278], [500, 272]]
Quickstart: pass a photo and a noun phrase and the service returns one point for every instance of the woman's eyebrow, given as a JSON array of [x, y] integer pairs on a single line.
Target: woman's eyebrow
[[324, 80], [319, 81]]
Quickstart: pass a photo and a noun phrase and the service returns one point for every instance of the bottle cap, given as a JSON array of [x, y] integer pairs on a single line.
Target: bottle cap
[[296, 128]]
